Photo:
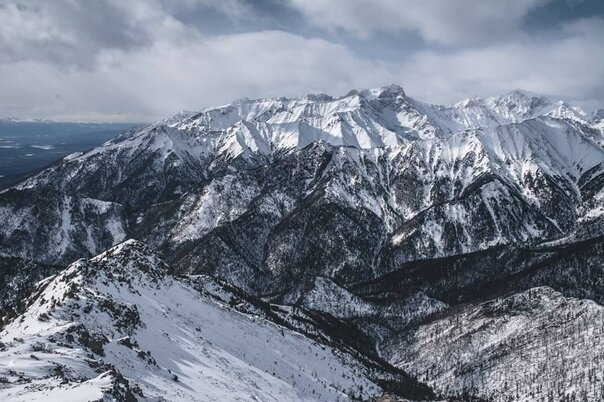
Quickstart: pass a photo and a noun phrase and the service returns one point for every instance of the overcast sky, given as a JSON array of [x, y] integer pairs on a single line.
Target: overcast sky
[[141, 60]]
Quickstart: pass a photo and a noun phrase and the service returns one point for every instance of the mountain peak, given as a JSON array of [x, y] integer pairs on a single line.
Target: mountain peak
[[391, 91], [127, 247], [523, 97], [522, 93], [597, 115], [129, 260], [321, 97], [473, 101], [385, 92]]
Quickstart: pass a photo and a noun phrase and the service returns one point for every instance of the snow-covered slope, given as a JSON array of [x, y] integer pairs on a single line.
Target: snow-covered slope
[[330, 298], [535, 345], [120, 325], [513, 107], [596, 121]]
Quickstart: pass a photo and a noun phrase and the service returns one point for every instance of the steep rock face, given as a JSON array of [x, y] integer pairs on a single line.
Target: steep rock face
[[530, 346], [49, 226], [121, 326]]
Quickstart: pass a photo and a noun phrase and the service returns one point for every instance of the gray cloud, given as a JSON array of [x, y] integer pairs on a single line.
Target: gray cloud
[[570, 66], [166, 78], [143, 60], [443, 22], [76, 33]]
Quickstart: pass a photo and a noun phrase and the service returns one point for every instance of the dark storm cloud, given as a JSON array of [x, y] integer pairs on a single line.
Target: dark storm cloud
[[145, 59], [558, 11]]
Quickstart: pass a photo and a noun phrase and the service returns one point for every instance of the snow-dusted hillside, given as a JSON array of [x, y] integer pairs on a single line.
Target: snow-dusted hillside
[[121, 326], [531, 346]]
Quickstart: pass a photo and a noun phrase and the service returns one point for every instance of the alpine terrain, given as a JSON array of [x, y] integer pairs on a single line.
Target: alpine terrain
[[363, 247]]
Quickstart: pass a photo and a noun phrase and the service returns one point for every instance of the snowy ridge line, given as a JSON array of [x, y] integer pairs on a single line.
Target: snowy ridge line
[[121, 326]]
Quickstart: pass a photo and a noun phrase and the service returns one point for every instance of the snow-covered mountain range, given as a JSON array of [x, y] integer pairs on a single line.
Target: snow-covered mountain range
[[372, 211]]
